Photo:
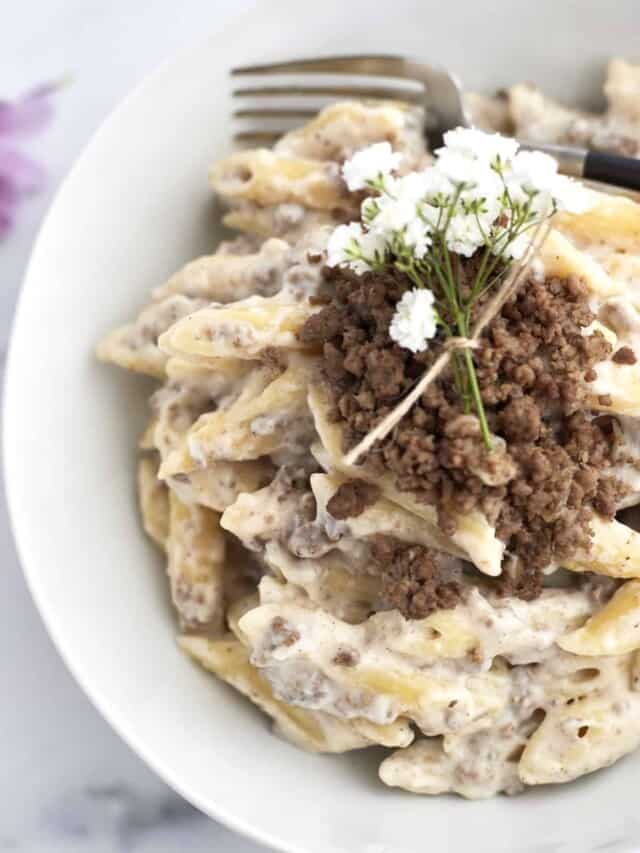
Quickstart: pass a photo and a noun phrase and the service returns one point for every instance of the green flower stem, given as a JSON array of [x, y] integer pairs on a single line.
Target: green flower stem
[[463, 329], [451, 277], [458, 377], [477, 399], [454, 308], [480, 278], [461, 364]]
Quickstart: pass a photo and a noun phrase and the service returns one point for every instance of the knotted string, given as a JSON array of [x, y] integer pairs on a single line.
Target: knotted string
[[509, 287], [456, 343]]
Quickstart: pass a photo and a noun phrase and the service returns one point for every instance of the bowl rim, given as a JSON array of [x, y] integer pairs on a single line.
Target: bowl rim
[[19, 525]]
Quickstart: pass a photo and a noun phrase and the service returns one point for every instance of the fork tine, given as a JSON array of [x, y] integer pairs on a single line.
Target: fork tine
[[372, 64], [258, 137], [271, 113], [375, 93]]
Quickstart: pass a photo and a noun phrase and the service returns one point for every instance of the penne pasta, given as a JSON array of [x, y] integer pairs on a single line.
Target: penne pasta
[[328, 582], [268, 178], [341, 129], [229, 278], [153, 498], [291, 222], [374, 683], [614, 630], [579, 738], [614, 552], [135, 346], [264, 418], [196, 558], [220, 484], [313, 731], [383, 517], [240, 330]]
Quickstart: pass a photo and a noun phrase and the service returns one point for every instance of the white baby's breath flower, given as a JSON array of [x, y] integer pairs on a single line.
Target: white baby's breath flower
[[394, 215], [437, 185], [540, 203], [431, 216], [481, 191], [369, 209], [373, 247], [537, 172], [491, 148], [460, 169], [464, 236], [417, 238], [572, 196], [360, 266], [486, 193], [352, 246], [414, 186], [534, 171], [516, 248], [414, 321], [370, 165], [344, 243], [544, 204]]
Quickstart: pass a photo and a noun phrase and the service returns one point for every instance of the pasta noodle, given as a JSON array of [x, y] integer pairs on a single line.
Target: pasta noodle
[[313, 731], [238, 330], [135, 346], [154, 502], [196, 558]]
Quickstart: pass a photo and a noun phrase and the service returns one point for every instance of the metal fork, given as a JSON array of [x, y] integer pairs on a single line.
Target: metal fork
[[436, 89]]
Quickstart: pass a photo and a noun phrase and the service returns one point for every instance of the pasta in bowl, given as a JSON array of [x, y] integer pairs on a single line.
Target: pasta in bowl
[[471, 608]]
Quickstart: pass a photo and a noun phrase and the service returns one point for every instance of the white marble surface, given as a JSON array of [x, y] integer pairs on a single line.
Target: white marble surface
[[67, 782]]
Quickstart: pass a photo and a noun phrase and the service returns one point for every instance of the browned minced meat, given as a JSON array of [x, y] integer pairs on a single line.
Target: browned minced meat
[[543, 486], [346, 657], [415, 580], [282, 634], [625, 355], [352, 498]]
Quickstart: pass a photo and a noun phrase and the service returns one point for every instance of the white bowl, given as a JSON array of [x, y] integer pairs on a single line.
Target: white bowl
[[135, 207]]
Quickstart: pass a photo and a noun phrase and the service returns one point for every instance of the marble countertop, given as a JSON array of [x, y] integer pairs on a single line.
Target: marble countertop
[[67, 782]]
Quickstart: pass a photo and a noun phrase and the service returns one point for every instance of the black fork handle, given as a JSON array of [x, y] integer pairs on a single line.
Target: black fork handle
[[613, 169]]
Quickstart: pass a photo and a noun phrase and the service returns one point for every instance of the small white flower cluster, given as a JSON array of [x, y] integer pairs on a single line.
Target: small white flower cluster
[[480, 192], [414, 321], [481, 180], [352, 246], [370, 166]]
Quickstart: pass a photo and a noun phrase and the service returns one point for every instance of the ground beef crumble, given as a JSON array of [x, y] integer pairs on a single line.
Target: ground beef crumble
[[625, 355], [282, 634], [415, 580], [550, 469], [346, 657], [352, 498]]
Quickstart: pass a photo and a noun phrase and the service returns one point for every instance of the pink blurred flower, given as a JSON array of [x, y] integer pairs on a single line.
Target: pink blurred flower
[[19, 174]]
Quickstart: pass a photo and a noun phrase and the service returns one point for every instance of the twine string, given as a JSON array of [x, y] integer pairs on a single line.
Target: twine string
[[457, 343]]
